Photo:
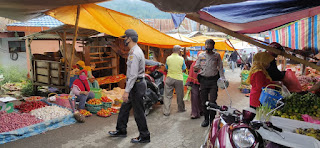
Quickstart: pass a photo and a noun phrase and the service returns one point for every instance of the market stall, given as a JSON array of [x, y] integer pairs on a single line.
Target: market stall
[[31, 116]]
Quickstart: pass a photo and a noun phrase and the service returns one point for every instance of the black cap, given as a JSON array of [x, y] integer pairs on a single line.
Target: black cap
[[130, 33]]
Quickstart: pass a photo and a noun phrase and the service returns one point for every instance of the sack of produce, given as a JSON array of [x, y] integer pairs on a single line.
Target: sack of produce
[[291, 81]]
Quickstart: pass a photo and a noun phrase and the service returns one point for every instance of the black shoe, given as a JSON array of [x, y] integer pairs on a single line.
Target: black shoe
[[117, 133], [181, 111], [140, 140], [205, 123]]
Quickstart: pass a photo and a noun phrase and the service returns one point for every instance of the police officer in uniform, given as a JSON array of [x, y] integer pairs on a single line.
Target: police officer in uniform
[[211, 69], [134, 91]]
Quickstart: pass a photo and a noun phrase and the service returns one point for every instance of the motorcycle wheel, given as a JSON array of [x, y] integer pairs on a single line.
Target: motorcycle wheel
[[161, 100]]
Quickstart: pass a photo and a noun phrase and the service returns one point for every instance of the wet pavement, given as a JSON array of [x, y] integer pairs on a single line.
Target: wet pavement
[[174, 131]]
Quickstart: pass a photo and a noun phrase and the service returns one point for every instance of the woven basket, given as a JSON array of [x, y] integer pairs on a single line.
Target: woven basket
[[106, 105], [94, 108]]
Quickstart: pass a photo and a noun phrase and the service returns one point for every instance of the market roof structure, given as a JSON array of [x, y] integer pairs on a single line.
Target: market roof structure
[[53, 33], [45, 21], [257, 16], [114, 23], [23, 10]]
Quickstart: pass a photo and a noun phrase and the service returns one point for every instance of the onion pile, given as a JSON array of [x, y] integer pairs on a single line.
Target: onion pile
[[13, 121], [50, 112]]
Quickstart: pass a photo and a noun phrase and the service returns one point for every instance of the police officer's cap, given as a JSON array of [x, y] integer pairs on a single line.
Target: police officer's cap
[[130, 33]]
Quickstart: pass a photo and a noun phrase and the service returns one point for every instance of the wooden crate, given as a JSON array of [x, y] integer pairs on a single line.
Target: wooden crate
[[49, 73]]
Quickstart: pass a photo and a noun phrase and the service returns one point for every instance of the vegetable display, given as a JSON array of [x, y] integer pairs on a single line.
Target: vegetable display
[[85, 113], [13, 121], [26, 107], [111, 79], [307, 81], [34, 98], [104, 113], [95, 102], [50, 112], [114, 111], [105, 99], [262, 111], [297, 104], [315, 133]]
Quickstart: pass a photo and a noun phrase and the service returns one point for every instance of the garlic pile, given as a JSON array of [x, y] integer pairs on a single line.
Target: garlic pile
[[50, 112]]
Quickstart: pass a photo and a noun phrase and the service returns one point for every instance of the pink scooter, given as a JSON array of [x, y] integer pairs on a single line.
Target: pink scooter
[[235, 129]]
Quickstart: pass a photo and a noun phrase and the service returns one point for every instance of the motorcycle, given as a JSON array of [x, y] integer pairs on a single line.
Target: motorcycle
[[155, 87], [235, 129]]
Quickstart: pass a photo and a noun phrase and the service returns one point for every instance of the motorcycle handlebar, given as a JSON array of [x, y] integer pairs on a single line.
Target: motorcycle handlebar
[[212, 105], [276, 128]]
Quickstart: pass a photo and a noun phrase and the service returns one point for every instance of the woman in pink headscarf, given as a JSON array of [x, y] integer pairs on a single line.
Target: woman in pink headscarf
[[81, 89]]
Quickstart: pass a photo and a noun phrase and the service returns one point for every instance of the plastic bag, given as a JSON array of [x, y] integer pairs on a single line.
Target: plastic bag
[[285, 92], [291, 82], [187, 96], [244, 77], [309, 119]]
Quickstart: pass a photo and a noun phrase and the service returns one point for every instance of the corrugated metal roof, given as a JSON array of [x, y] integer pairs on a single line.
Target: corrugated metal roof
[[45, 21], [166, 25], [69, 29]]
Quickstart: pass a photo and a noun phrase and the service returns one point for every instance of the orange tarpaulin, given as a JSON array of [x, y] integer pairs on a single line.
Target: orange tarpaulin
[[114, 23], [221, 43]]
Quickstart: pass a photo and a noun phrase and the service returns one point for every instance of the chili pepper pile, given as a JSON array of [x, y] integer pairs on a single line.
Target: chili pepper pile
[[26, 107], [13, 121]]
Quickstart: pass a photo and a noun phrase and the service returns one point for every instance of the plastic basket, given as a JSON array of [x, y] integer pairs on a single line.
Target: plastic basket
[[97, 92], [245, 91], [63, 100], [106, 105], [270, 96], [93, 108]]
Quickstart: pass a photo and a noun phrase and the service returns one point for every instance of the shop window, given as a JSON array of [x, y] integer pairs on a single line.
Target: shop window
[[17, 46]]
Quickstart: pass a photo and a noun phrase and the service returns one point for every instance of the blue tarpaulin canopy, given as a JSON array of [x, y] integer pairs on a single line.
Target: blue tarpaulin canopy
[[259, 15]]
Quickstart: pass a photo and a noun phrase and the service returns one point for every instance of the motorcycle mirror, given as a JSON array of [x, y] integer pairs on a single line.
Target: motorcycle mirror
[[279, 105]]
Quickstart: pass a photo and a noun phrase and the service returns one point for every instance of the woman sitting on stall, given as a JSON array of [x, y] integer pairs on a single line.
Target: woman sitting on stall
[[81, 89], [93, 83], [259, 77]]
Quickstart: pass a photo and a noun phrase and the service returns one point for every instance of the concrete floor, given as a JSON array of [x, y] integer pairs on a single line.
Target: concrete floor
[[175, 131]]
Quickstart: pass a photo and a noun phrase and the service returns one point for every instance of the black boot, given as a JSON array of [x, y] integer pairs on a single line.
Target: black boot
[[117, 133], [205, 123], [140, 140]]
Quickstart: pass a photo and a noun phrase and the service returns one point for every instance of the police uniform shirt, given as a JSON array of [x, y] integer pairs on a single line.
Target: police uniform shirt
[[135, 66], [210, 64]]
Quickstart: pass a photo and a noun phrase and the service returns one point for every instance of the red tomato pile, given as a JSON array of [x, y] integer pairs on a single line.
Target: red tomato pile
[[104, 113], [105, 99], [85, 113], [95, 102], [111, 79], [114, 111]]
